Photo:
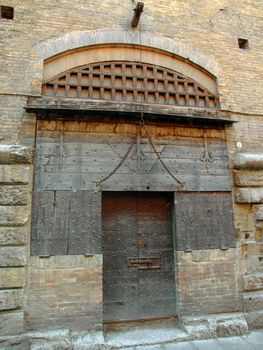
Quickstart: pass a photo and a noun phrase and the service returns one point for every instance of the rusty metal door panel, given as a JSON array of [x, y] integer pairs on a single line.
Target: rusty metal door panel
[[138, 277], [204, 221], [120, 283]]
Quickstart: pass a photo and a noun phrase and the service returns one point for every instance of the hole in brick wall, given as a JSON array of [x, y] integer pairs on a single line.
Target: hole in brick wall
[[246, 235], [7, 12], [243, 44], [260, 258]]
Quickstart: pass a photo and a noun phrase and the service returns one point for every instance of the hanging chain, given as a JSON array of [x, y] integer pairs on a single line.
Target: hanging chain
[[134, 140], [158, 156], [207, 155], [123, 159]]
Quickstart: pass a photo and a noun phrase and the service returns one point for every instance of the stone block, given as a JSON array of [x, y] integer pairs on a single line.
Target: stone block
[[12, 277], [231, 325], [14, 235], [252, 248], [15, 154], [248, 161], [11, 322], [11, 299], [15, 343], [253, 281], [259, 212], [253, 301], [254, 319], [14, 215], [13, 195], [85, 341], [213, 326], [15, 174], [13, 256], [59, 344], [198, 327], [249, 195], [248, 178]]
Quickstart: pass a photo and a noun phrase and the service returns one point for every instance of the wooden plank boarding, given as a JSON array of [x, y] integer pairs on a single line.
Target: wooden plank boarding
[[204, 221], [66, 222], [80, 165], [73, 157]]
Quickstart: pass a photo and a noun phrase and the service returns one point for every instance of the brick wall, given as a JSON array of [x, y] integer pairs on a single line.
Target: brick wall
[[208, 281], [64, 291]]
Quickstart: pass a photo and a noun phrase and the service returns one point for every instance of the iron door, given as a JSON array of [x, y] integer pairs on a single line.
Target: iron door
[[138, 271]]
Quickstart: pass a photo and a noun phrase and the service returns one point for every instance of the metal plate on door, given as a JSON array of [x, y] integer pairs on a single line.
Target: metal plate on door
[[144, 263]]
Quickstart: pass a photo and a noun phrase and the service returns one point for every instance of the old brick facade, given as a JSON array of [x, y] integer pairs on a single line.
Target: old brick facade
[[200, 41]]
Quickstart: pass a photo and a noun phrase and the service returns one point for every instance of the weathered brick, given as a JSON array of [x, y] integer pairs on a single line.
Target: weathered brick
[[13, 256], [248, 161], [259, 212], [12, 277], [14, 235], [11, 299], [253, 301], [11, 322], [15, 174], [253, 281], [249, 195], [13, 154], [14, 215], [49, 300], [248, 178], [14, 195]]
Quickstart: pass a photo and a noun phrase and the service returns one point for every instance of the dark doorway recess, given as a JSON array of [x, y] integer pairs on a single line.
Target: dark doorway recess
[[138, 256]]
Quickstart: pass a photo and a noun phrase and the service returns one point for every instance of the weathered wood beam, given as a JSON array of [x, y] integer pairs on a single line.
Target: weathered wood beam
[[47, 105]]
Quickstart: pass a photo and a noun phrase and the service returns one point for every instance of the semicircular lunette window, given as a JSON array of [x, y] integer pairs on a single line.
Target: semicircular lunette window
[[129, 82]]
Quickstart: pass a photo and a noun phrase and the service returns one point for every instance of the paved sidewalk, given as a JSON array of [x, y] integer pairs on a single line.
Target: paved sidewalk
[[252, 341]]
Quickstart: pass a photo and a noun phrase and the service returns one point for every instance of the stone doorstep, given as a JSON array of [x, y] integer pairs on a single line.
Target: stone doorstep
[[194, 328], [213, 326]]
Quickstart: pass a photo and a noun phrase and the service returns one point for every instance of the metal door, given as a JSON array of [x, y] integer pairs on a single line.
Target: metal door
[[138, 271]]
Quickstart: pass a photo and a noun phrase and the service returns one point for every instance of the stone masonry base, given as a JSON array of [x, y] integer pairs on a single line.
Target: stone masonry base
[[191, 328]]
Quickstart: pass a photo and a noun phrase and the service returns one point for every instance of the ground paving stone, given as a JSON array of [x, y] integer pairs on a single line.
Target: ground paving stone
[[235, 343], [255, 338], [210, 344], [179, 346]]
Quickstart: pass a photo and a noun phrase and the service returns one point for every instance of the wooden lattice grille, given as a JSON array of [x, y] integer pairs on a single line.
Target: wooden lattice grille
[[130, 82]]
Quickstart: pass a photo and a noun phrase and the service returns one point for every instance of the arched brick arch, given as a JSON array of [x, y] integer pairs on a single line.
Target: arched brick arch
[[78, 40], [75, 40]]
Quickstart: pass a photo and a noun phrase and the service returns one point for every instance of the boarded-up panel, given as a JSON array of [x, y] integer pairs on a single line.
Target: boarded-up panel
[[77, 156], [204, 221], [66, 222], [74, 161]]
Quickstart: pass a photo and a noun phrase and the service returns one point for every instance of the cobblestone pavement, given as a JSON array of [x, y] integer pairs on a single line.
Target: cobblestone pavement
[[252, 341]]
